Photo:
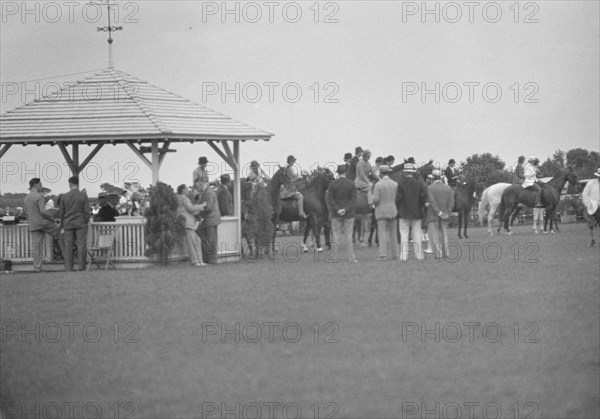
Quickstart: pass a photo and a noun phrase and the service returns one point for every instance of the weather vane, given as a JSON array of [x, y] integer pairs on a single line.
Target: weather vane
[[110, 30]]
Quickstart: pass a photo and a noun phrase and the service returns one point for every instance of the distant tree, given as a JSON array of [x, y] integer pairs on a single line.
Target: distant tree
[[553, 165], [584, 162], [485, 169], [164, 228], [108, 188]]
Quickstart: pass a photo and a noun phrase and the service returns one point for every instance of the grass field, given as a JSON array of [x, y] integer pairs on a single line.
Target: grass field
[[517, 337]]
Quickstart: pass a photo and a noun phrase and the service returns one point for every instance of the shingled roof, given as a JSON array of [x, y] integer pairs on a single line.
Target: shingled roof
[[113, 106]]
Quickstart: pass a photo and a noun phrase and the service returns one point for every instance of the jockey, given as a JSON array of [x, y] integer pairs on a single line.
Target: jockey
[[531, 172], [451, 173], [257, 175], [289, 190]]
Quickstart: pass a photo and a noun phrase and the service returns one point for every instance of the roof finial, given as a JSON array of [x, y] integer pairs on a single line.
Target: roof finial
[[109, 29]]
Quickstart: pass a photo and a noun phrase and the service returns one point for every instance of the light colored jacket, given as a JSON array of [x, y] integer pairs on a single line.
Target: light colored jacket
[[441, 199], [384, 199], [37, 215], [591, 196], [530, 172], [188, 210], [363, 171]]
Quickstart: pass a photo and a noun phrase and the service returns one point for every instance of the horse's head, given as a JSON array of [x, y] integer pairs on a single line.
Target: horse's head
[[573, 179]]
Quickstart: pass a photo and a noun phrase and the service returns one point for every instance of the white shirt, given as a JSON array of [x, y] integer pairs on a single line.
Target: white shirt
[[530, 174], [591, 196]]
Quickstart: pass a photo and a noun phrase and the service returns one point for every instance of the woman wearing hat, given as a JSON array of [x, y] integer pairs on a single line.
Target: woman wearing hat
[[591, 199], [257, 174], [289, 190], [531, 172]]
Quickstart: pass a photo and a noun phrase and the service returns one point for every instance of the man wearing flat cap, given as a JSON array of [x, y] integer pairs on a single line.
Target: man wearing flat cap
[[451, 173], [411, 200], [341, 198], [200, 174], [288, 190]]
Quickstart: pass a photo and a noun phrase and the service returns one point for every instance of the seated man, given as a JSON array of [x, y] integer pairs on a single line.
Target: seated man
[[257, 175], [531, 170], [451, 173], [107, 211], [288, 190]]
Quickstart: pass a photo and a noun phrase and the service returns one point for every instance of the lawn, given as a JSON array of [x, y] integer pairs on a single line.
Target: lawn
[[512, 334]]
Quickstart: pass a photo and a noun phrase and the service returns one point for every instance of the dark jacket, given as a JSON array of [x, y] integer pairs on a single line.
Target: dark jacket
[[519, 174], [106, 214], [74, 212], [411, 198], [341, 194], [210, 215], [225, 200], [451, 176], [351, 173]]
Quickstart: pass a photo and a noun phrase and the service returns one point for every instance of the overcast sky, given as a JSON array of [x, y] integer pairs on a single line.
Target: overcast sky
[[361, 66]]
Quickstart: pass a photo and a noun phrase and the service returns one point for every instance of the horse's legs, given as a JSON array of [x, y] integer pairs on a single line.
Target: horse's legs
[[306, 232], [513, 215], [466, 215], [460, 217], [491, 215], [327, 233], [314, 221]]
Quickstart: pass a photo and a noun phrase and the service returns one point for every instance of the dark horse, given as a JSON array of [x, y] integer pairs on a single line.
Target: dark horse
[[516, 194], [464, 198], [313, 189]]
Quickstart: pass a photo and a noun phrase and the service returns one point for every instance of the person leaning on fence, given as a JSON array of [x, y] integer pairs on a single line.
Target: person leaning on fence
[[187, 210], [207, 230], [41, 222], [200, 174], [440, 199], [384, 200], [341, 198], [224, 196], [74, 214]]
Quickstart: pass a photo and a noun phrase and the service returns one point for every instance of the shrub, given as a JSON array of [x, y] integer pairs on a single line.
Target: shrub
[[164, 229]]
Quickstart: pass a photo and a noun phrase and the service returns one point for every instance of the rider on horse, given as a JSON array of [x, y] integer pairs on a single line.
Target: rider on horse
[[531, 172], [257, 175], [289, 190], [451, 173]]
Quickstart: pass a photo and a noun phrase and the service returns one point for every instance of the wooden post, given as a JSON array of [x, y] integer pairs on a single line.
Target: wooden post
[[237, 202], [155, 162], [75, 159]]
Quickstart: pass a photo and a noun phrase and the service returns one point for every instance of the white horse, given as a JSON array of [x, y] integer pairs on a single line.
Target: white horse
[[492, 197]]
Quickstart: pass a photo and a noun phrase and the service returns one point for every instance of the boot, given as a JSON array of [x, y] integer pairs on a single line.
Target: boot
[[301, 213]]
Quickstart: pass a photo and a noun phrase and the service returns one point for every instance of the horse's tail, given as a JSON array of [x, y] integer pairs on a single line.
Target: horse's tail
[[483, 203]]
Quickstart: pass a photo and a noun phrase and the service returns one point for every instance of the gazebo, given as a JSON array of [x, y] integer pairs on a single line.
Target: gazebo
[[113, 107]]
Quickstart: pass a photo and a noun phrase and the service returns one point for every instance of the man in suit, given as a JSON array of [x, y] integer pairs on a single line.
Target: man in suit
[[341, 198], [440, 199], [411, 199], [210, 220], [224, 196], [358, 153], [347, 160], [41, 221], [74, 214], [384, 200], [451, 173]]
